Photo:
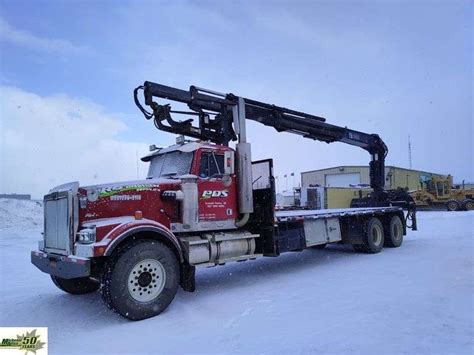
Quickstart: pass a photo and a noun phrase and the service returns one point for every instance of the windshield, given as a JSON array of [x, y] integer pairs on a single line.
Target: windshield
[[170, 164]]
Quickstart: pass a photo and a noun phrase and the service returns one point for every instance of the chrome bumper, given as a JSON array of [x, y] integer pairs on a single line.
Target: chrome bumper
[[66, 267]]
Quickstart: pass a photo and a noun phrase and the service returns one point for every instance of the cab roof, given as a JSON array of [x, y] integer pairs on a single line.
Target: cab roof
[[187, 147]]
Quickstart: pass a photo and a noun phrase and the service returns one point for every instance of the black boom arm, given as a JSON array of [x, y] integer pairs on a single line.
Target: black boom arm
[[216, 123], [214, 113]]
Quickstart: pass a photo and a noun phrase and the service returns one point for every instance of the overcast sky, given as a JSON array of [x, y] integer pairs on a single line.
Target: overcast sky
[[395, 68]]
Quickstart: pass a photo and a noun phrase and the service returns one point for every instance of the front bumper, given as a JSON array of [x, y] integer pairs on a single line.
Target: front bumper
[[66, 267]]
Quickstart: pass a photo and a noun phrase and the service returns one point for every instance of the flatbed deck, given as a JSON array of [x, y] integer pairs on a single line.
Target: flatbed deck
[[285, 216], [300, 229]]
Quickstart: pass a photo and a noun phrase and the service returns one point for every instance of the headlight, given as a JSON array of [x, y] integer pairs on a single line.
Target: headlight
[[86, 235]]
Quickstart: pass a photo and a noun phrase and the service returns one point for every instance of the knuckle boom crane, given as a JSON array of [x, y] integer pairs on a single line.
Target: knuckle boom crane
[[203, 204], [216, 113]]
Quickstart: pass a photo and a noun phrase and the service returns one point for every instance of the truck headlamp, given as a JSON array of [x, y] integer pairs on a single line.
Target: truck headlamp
[[86, 235]]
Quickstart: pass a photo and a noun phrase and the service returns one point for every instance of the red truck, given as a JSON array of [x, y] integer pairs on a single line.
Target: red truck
[[203, 204]]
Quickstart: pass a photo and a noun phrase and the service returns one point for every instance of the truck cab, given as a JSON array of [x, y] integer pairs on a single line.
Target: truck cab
[[441, 187], [212, 166]]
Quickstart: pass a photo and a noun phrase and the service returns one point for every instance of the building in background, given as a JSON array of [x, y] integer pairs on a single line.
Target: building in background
[[356, 176], [336, 187], [16, 196]]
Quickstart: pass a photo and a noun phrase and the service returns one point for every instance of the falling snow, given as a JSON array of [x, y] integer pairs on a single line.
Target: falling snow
[[413, 299]]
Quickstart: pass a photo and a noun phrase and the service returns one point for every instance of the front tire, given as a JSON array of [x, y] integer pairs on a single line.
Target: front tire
[[373, 239], [141, 280], [79, 286]]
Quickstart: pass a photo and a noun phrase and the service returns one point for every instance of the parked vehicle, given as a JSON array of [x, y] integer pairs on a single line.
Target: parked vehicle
[[202, 204], [439, 193]]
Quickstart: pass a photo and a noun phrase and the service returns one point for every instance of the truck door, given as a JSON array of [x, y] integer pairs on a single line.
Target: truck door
[[216, 188]]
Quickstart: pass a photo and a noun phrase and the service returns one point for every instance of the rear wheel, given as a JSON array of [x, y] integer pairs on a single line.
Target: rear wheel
[[77, 286], [141, 280], [395, 235], [452, 205], [468, 205], [373, 239]]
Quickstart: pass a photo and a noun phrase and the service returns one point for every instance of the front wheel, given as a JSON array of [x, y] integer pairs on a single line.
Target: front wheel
[[79, 286], [141, 280]]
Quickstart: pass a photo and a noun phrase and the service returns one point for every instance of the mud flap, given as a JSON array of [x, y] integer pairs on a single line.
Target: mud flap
[[188, 277]]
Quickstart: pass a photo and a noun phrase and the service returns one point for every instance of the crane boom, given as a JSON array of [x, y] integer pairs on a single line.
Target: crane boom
[[221, 119], [214, 111]]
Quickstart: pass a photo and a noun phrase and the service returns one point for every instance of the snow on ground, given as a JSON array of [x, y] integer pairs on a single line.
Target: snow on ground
[[417, 299], [20, 214]]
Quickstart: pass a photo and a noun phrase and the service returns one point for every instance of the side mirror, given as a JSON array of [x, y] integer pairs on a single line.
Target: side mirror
[[229, 162]]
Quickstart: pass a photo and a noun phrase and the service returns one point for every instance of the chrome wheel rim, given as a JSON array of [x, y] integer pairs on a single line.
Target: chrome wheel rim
[[146, 280]]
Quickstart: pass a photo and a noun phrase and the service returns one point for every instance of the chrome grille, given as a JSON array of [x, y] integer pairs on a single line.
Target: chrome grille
[[58, 222]]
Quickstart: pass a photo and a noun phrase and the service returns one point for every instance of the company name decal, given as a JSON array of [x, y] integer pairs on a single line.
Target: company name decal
[[214, 193], [110, 191]]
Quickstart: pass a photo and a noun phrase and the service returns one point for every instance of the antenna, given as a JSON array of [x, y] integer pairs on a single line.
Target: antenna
[[409, 152]]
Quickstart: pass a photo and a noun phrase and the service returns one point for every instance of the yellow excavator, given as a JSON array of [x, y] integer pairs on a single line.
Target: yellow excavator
[[438, 192]]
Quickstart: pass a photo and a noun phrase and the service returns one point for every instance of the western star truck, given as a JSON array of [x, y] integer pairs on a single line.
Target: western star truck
[[202, 204]]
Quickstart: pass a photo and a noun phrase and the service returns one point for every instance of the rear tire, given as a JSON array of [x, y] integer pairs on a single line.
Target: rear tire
[[79, 286], [452, 205], [319, 246], [141, 280], [395, 233], [373, 239], [468, 205], [358, 248]]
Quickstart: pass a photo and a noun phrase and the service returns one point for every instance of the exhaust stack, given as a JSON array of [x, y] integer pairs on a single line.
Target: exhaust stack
[[244, 160]]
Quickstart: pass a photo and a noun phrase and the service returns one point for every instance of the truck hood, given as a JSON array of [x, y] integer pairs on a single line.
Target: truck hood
[[129, 185], [114, 186], [120, 199]]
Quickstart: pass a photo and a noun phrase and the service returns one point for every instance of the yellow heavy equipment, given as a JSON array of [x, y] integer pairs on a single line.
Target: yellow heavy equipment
[[439, 192]]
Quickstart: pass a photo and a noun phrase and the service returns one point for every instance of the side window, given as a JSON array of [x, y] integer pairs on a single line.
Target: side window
[[212, 165], [446, 187], [216, 164], [439, 187], [204, 168]]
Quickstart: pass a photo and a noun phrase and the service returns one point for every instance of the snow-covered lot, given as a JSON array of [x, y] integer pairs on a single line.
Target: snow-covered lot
[[415, 299]]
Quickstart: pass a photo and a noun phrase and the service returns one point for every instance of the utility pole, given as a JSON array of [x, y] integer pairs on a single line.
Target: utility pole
[[409, 152]]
